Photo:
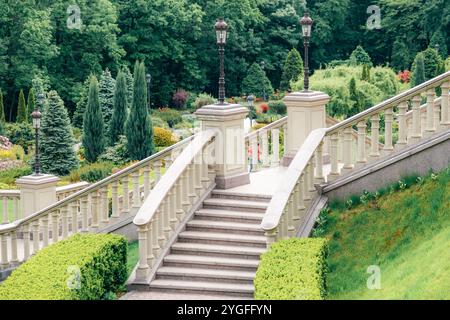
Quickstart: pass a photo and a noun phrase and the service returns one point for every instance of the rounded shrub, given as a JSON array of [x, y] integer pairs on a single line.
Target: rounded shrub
[[172, 117], [92, 172], [278, 107], [163, 137], [203, 99]]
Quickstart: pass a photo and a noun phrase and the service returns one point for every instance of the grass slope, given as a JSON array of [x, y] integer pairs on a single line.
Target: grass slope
[[406, 233]]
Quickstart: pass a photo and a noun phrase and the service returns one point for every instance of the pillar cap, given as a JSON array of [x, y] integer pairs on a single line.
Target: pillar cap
[[221, 112], [43, 179], [306, 99]]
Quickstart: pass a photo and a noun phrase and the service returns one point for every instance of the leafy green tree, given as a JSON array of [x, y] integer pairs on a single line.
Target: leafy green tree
[[57, 153], [119, 115], [22, 114], [293, 69], [438, 42], [256, 82], [31, 103], [360, 57], [2, 108], [106, 96], [138, 129], [93, 132], [418, 73], [401, 55]]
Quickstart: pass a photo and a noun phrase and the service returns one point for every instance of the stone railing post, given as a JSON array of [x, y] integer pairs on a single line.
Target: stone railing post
[[445, 106], [306, 112]]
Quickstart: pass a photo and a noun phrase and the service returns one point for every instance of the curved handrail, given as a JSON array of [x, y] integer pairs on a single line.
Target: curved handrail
[[292, 175], [86, 191], [406, 95], [155, 198]]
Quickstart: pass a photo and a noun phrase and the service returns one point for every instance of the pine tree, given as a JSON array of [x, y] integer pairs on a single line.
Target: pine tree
[[2, 108], [57, 154], [106, 96], [138, 129], [355, 97], [129, 82], [93, 132], [22, 115], [292, 70], [78, 115], [256, 81], [365, 73], [360, 56], [418, 69], [31, 103], [119, 116], [432, 63]]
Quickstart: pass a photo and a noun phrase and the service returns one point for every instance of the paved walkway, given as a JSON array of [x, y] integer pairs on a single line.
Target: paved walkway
[[152, 295]]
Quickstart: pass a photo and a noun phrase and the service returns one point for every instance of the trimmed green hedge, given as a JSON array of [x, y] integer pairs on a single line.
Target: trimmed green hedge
[[293, 269], [52, 274]]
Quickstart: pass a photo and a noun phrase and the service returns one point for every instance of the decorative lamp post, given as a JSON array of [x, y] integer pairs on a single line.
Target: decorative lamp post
[[306, 23], [149, 84], [263, 67], [221, 34], [250, 100], [36, 116]]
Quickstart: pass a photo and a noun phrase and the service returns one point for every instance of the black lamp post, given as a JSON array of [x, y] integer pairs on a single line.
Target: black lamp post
[[306, 23], [221, 34], [36, 116], [263, 67], [149, 85], [250, 100]]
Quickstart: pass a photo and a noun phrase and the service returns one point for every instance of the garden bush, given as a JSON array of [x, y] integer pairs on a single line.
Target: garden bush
[[172, 117], [278, 107], [9, 176], [179, 99], [82, 267], [117, 154], [203, 99], [163, 137], [21, 134], [293, 269], [92, 172], [158, 122]]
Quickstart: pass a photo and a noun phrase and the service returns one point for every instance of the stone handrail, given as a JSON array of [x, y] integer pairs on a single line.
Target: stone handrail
[[7, 197], [290, 202], [176, 192], [88, 210], [64, 191]]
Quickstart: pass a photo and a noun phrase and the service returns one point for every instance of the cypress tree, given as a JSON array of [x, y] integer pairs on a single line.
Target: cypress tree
[[365, 73], [78, 115], [2, 108], [138, 129], [418, 69], [22, 115], [119, 115], [31, 103], [106, 96], [292, 70], [57, 154], [129, 81], [256, 81], [93, 134]]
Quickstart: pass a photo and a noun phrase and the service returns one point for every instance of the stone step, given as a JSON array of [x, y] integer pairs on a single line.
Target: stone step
[[231, 216], [180, 260], [226, 194], [205, 275], [216, 288], [235, 205], [222, 239], [222, 226], [214, 250]]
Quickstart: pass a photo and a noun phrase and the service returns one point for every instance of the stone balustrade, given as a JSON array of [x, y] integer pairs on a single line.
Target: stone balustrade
[[294, 196], [89, 210], [65, 191], [171, 200], [9, 198]]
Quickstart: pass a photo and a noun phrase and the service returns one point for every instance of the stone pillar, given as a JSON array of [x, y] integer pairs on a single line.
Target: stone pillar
[[306, 112], [37, 192], [230, 152]]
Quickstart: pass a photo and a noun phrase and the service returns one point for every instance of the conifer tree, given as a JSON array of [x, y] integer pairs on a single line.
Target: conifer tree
[[418, 70], [31, 103], [106, 96], [360, 56], [256, 82], [22, 115], [292, 70], [2, 108], [119, 115], [57, 153], [93, 131], [138, 129], [78, 115], [129, 82], [365, 73]]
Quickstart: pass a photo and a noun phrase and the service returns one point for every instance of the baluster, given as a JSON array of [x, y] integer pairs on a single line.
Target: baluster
[[157, 167], [104, 205], [168, 161], [334, 173], [271, 237], [150, 256], [375, 137], [126, 195], [5, 219], [348, 150], [45, 231], [73, 208], [265, 148], [416, 125], [115, 200], [55, 229], [290, 217], [306, 187], [4, 256], [285, 137], [156, 230], [179, 200], [26, 241], [84, 214], [143, 268], [94, 211], [312, 188], [254, 143], [283, 224], [191, 184], [185, 192], [402, 127], [64, 222], [205, 174], [319, 177], [198, 176], [172, 210], [445, 106], [166, 218], [295, 200], [161, 233], [136, 191], [275, 147], [35, 226], [430, 128], [14, 258], [301, 208], [361, 160], [16, 208], [388, 119], [147, 186], [437, 116]]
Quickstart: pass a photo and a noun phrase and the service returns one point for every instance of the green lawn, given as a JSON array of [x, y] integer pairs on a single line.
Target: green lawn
[[406, 233], [133, 256]]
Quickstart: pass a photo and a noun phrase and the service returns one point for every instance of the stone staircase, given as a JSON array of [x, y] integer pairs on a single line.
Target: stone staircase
[[218, 253]]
